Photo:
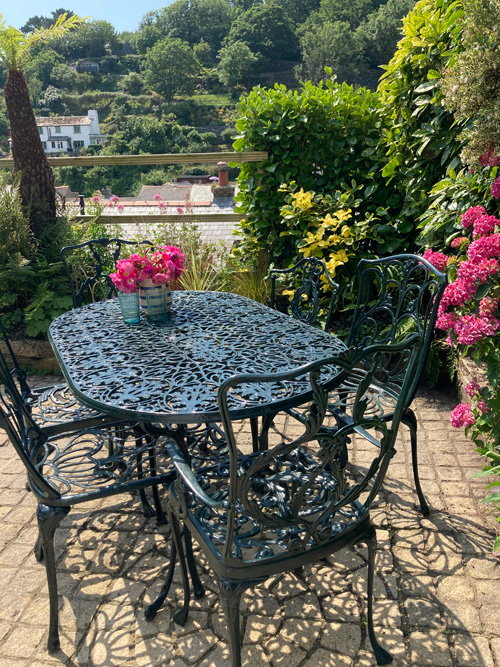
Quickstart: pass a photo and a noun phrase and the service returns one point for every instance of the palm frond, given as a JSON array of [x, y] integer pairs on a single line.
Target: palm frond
[[15, 46]]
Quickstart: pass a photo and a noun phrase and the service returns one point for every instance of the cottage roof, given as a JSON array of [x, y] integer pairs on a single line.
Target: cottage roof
[[52, 121], [167, 191]]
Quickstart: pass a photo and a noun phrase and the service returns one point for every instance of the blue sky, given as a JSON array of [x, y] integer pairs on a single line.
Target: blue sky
[[122, 14]]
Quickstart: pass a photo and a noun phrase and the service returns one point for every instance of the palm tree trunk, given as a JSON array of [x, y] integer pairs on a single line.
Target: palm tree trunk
[[37, 178]]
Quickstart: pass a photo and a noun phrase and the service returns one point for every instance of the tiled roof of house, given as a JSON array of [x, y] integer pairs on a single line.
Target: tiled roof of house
[[167, 191], [65, 192], [52, 121]]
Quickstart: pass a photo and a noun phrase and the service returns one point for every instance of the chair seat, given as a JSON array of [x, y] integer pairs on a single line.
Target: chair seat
[[57, 409], [95, 463], [271, 493]]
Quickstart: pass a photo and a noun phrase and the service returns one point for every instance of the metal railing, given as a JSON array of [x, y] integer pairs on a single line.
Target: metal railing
[[149, 159]]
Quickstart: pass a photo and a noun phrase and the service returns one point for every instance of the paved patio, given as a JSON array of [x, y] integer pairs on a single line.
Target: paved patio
[[437, 589]]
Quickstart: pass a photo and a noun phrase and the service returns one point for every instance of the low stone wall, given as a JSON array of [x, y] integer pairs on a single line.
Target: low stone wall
[[468, 370], [32, 353]]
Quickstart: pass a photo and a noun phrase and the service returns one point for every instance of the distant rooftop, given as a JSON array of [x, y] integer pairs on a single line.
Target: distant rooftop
[[51, 121]]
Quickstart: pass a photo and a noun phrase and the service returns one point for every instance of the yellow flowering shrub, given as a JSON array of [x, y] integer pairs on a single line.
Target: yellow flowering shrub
[[325, 227]]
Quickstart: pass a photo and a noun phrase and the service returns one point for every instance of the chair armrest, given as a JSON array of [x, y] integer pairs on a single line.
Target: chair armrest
[[188, 477]]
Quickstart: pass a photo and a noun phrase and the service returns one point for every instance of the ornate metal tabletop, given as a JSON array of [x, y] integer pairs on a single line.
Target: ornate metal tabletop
[[172, 373]]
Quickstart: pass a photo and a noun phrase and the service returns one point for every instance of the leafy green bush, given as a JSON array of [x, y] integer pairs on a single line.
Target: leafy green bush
[[419, 135], [451, 197], [324, 138]]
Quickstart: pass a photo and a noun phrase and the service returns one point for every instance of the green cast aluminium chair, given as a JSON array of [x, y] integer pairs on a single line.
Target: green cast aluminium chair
[[72, 468], [397, 295], [260, 514], [89, 264], [312, 274]]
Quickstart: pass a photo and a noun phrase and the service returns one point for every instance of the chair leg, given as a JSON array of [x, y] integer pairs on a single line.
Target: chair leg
[[382, 656], [48, 520], [267, 421], [198, 588], [181, 615], [254, 427], [152, 609], [147, 510], [231, 592], [411, 421]]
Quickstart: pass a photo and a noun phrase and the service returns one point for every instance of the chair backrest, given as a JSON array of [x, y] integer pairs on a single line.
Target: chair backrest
[[24, 433], [298, 495], [16, 371], [89, 264], [398, 295], [313, 276]]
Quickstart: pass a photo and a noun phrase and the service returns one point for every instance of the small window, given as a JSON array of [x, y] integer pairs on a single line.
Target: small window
[[60, 144], [58, 129], [44, 145], [53, 144], [77, 129], [93, 142], [78, 144], [40, 130]]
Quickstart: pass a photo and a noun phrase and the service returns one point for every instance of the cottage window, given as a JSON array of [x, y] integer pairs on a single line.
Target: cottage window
[[60, 144], [40, 130], [78, 144], [53, 144], [77, 129], [58, 129], [44, 145]]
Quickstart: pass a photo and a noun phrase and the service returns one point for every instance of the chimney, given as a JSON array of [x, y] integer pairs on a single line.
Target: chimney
[[223, 189]]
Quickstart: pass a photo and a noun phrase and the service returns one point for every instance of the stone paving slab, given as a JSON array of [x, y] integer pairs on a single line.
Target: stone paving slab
[[437, 582]]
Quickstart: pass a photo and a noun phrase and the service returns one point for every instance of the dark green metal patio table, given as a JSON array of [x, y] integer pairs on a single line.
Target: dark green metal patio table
[[171, 373]]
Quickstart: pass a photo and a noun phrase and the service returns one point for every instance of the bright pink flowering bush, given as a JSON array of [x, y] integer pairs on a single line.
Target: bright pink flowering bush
[[459, 241], [470, 216], [160, 265], [469, 313], [437, 259], [462, 416], [495, 188]]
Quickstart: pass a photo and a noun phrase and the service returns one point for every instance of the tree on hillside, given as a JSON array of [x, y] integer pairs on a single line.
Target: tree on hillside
[[382, 30], [298, 10], [40, 66], [37, 179], [92, 40], [266, 30], [37, 22], [189, 20], [236, 64], [320, 49], [352, 11], [171, 68], [132, 83]]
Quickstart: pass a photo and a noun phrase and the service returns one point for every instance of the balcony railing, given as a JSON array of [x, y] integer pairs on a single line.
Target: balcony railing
[[149, 159]]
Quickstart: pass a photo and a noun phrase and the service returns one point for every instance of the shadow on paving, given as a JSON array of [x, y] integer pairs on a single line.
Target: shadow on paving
[[436, 587]]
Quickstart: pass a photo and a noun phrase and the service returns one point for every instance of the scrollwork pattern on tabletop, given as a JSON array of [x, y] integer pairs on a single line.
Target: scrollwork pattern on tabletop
[[173, 372]]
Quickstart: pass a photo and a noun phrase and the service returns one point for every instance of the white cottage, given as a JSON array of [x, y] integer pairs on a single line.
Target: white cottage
[[60, 134]]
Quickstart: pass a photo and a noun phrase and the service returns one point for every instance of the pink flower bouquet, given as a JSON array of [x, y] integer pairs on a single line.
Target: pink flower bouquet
[[160, 265]]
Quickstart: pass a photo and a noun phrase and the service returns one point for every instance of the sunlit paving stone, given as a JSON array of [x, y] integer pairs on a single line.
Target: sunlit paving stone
[[435, 591]]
